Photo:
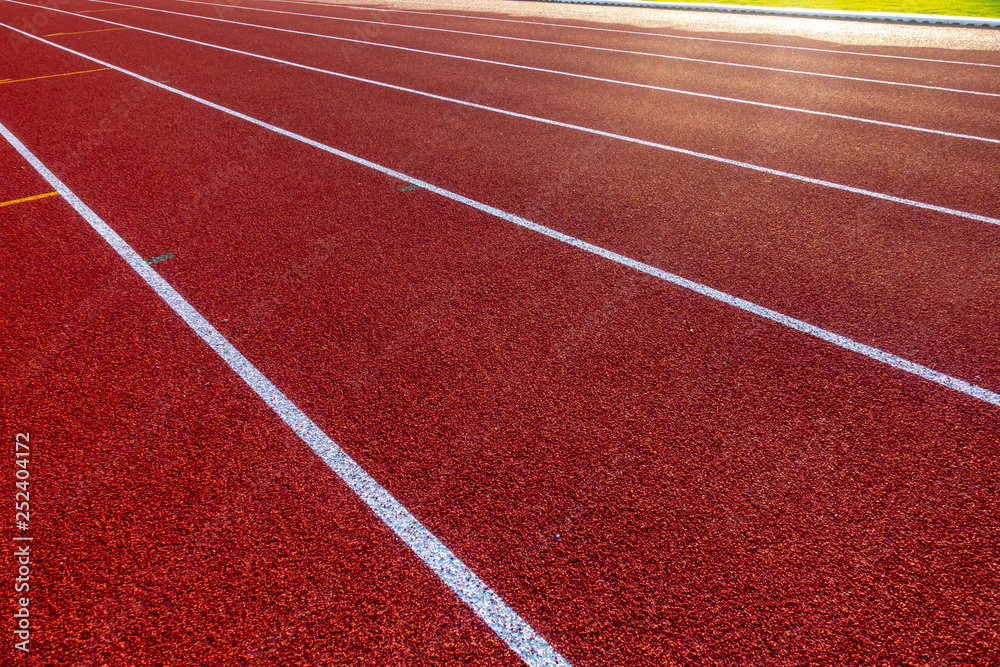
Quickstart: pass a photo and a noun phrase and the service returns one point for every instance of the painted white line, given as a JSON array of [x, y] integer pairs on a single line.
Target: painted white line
[[792, 11], [617, 30], [677, 91], [606, 49], [546, 121], [804, 327], [504, 621]]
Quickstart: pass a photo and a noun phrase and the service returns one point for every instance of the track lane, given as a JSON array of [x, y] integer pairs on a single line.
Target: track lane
[[501, 49], [713, 632], [164, 492], [955, 278], [949, 111], [567, 21], [832, 62], [18, 182], [27, 59], [617, 397], [616, 23], [812, 138], [349, 46]]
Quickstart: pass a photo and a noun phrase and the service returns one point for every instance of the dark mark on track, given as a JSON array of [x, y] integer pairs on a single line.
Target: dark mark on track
[[161, 258], [409, 187]]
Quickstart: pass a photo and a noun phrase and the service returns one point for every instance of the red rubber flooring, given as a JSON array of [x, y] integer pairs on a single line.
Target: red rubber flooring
[[645, 475]]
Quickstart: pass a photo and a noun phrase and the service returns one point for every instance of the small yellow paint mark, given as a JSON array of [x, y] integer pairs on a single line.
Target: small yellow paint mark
[[50, 76], [24, 199], [83, 32]]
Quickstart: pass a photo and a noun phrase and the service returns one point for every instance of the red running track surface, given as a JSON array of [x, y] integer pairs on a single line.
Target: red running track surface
[[645, 475]]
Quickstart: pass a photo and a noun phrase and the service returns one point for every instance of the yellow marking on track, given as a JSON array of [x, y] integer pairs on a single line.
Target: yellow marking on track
[[49, 76], [83, 32], [18, 201]]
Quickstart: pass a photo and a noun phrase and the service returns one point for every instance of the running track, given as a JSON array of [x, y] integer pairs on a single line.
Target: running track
[[697, 371]]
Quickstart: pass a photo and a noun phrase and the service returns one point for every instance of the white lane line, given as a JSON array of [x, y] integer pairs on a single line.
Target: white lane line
[[546, 121], [748, 306], [606, 49], [504, 621], [430, 14], [558, 72]]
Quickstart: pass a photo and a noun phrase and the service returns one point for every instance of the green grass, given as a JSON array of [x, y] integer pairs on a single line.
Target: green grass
[[982, 8]]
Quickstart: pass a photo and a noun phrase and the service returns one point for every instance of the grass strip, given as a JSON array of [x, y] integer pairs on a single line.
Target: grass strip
[[978, 8]]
